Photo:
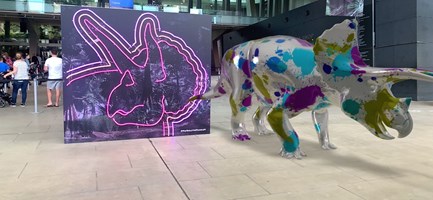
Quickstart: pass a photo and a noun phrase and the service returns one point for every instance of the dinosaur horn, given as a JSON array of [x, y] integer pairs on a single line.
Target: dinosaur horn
[[400, 74]]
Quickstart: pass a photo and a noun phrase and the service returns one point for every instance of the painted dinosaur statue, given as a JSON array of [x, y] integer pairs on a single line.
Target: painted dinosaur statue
[[290, 76]]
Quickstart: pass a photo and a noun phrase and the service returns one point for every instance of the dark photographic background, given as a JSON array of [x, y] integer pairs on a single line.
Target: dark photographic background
[[85, 99]]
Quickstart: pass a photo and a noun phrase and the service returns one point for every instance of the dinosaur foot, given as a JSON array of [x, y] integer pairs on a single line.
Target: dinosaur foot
[[263, 131], [328, 146], [298, 154], [241, 137]]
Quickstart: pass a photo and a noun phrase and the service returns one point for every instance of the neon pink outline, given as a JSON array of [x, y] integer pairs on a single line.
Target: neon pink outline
[[87, 23]]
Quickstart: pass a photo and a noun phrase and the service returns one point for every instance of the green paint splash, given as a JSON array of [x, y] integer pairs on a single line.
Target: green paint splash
[[351, 106], [229, 55], [375, 109], [257, 113], [258, 82], [233, 106], [275, 119], [350, 37]]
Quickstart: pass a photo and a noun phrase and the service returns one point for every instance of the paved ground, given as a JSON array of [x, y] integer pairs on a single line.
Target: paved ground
[[36, 165]]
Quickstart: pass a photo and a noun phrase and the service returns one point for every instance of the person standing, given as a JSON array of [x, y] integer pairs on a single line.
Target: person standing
[[4, 68], [21, 79], [27, 59], [7, 59], [54, 67]]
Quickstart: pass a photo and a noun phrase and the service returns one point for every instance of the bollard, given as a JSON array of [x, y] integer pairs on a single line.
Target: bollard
[[35, 92]]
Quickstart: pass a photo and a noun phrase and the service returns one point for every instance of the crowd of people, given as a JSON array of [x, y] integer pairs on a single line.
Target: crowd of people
[[23, 68]]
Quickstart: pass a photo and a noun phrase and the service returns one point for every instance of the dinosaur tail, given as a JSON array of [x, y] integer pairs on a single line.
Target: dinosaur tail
[[220, 89]]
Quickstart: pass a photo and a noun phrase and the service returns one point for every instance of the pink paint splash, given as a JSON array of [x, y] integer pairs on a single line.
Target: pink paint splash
[[147, 30]]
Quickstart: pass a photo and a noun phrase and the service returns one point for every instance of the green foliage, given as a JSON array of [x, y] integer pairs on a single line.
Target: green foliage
[[50, 32], [14, 32]]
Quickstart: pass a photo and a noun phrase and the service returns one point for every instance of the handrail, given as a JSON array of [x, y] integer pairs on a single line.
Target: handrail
[[35, 88]]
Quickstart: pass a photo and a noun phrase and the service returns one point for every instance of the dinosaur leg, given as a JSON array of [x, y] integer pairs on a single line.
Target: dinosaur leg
[[259, 120], [240, 102], [279, 122], [320, 119]]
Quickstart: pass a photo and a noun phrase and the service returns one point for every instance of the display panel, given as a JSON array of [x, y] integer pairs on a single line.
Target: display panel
[[129, 74], [352, 8], [122, 4]]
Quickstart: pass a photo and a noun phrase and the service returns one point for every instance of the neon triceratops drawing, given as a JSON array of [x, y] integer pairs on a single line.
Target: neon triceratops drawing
[[290, 76], [117, 55]]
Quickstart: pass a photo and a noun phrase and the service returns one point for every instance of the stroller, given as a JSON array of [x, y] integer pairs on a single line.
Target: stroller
[[5, 98]]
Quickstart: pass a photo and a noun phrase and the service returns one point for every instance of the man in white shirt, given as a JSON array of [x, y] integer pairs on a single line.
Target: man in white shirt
[[54, 67]]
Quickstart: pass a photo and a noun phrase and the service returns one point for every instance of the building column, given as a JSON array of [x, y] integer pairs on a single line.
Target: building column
[[226, 4], [269, 8], [292, 4], [216, 55], [251, 8], [215, 3], [262, 12], [34, 35], [285, 6], [190, 5], [276, 8], [7, 28], [239, 7]]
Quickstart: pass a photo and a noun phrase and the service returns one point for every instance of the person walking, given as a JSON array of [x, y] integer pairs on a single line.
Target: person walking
[[54, 67], [20, 79]]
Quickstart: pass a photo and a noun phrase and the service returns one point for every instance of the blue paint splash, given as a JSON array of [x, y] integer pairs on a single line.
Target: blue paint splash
[[247, 85], [241, 62], [317, 127], [304, 59], [291, 146], [252, 65], [321, 106], [287, 56], [276, 65], [256, 52], [327, 69], [342, 66]]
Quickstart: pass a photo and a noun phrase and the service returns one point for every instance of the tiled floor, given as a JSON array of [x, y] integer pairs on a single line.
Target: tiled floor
[[36, 165]]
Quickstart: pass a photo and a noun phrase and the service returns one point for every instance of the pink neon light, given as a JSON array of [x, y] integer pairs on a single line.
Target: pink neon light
[[101, 46], [89, 25]]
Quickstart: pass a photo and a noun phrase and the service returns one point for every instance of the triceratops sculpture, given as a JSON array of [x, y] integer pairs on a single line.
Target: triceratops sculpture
[[290, 76]]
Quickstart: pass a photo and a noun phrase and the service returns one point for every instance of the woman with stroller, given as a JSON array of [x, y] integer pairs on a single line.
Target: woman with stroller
[[8, 61], [21, 79], [4, 69]]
